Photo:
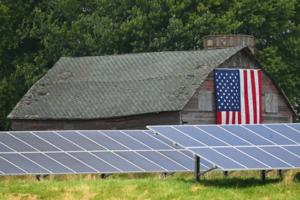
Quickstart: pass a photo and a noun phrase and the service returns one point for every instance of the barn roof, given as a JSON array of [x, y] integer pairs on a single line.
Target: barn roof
[[119, 85]]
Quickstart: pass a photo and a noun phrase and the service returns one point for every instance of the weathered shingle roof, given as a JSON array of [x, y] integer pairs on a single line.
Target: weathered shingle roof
[[119, 85]]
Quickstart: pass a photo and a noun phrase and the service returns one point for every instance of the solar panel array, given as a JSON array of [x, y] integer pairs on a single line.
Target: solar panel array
[[228, 147], [239, 147], [80, 152]]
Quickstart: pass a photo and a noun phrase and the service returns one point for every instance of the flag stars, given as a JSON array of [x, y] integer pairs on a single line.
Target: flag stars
[[227, 90]]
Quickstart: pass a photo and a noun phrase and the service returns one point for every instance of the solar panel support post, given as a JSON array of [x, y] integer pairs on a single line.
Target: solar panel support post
[[41, 177], [280, 174], [166, 174], [104, 176], [226, 173], [197, 168], [263, 176]]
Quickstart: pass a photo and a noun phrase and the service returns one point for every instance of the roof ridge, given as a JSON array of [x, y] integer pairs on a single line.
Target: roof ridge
[[154, 52]]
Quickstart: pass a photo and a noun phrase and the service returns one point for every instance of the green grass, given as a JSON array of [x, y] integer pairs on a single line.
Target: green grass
[[239, 185]]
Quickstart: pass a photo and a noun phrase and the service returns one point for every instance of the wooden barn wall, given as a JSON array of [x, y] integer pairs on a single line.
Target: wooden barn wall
[[131, 122], [197, 109]]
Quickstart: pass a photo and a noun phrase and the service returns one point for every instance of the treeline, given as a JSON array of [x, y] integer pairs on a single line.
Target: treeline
[[34, 34]]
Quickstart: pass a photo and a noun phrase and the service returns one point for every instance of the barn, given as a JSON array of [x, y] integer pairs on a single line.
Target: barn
[[131, 91]]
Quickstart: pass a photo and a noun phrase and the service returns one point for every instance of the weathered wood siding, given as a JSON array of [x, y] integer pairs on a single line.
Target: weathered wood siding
[[130, 122], [275, 107], [201, 109]]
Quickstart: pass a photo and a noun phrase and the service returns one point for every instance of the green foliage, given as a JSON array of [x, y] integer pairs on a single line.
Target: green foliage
[[34, 34]]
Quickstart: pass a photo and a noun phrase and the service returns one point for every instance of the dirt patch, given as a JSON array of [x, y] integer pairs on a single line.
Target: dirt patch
[[23, 197], [129, 188], [266, 198], [196, 188], [81, 192]]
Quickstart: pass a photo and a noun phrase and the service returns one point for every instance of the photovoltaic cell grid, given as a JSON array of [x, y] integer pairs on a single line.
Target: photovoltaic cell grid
[[77, 152], [239, 147]]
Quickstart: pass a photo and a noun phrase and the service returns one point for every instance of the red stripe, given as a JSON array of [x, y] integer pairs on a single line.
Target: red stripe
[[246, 96], [259, 93], [219, 117], [253, 85], [227, 117], [233, 117], [240, 117]]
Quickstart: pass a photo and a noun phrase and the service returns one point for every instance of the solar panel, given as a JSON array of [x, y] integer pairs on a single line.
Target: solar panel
[[287, 130], [239, 147], [295, 126], [79, 152]]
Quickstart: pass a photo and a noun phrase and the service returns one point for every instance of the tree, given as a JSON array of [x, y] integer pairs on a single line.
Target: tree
[[36, 33]]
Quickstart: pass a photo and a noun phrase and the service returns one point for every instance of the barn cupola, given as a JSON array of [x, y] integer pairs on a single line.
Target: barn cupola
[[226, 41]]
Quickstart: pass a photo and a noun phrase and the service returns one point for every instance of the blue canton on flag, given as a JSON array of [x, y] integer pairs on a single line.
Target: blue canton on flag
[[227, 90]]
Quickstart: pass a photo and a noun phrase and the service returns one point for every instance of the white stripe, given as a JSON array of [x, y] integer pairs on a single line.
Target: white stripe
[[223, 117], [242, 98], [230, 117], [250, 97], [256, 72], [236, 117]]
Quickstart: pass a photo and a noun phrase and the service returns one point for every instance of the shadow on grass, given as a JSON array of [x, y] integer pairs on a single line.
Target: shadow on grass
[[297, 177], [235, 182], [238, 182]]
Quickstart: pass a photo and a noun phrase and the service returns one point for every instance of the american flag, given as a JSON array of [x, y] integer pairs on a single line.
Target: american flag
[[238, 96]]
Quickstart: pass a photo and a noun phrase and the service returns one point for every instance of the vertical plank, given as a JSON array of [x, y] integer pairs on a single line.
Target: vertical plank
[[267, 103], [205, 101], [271, 103], [274, 108]]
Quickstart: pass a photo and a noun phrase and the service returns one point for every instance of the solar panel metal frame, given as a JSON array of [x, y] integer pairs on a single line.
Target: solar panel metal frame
[[190, 148], [45, 153]]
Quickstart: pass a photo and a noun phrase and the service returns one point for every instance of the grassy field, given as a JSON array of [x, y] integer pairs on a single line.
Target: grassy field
[[239, 185]]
